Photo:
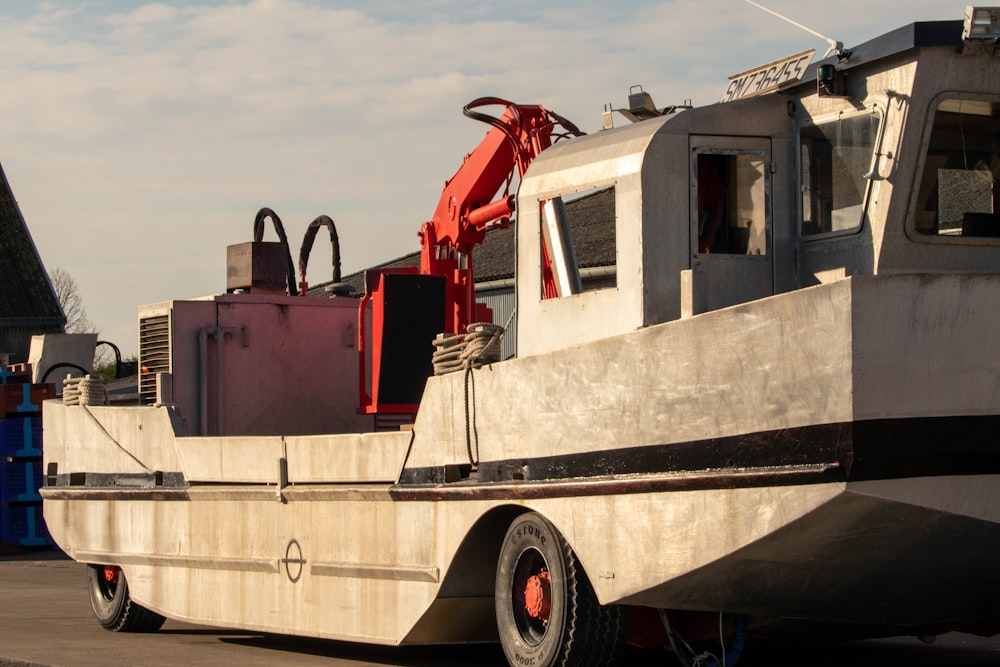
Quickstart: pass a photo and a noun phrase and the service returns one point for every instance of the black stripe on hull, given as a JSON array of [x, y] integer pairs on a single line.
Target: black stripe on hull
[[850, 451]]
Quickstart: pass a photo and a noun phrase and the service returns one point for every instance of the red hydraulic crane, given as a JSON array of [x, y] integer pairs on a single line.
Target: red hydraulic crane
[[466, 208], [465, 211]]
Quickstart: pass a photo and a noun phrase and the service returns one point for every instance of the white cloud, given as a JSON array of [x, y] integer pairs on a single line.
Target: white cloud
[[141, 141]]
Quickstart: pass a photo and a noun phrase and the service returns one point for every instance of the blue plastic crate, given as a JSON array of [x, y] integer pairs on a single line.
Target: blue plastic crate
[[20, 437], [23, 524], [20, 481], [11, 437]]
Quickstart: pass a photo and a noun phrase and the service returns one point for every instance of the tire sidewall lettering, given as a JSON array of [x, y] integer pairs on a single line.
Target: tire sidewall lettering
[[532, 533]]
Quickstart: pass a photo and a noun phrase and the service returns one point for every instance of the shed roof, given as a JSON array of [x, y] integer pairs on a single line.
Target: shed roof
[[592, 220], [26, 295]]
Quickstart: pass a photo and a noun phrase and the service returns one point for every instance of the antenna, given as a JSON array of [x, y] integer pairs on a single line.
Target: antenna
[[835, 46]]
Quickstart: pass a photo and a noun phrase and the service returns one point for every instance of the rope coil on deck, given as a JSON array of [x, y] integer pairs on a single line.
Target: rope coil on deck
[[479, 346], [87, 390]]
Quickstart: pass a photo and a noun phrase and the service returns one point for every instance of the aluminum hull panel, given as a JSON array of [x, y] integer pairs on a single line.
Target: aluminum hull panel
[[777, 458], [372, 572]]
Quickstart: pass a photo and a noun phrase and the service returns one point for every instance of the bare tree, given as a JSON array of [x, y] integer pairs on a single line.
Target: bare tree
[[72, 302]]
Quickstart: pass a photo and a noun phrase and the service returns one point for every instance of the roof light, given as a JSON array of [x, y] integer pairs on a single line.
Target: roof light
[[640, 105], [981, 23]]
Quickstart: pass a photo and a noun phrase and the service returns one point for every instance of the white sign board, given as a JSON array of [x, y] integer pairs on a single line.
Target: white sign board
[[768, 77]]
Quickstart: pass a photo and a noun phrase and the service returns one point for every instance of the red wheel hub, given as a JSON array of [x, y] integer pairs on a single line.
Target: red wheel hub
[[111, 574], [538, 595]]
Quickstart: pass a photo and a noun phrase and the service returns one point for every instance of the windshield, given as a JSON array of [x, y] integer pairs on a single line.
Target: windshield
[[957, 195]]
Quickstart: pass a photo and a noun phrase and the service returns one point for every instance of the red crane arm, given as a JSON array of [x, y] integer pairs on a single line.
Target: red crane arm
[[464, 212], [466, 208]]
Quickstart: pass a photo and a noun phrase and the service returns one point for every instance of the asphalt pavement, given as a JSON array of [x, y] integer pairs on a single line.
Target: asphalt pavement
[[46, 619]]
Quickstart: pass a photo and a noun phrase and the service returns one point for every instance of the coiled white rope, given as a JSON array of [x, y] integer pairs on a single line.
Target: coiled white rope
[[480, 345], [88, 390]]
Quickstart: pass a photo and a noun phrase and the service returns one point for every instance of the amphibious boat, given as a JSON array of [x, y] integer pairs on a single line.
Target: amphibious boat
[[778, 406]]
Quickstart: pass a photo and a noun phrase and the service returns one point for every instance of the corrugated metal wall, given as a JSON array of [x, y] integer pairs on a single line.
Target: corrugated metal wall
[[502, 302], [500, 297]]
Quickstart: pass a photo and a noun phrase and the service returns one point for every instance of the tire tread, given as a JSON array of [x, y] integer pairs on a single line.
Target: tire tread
[[136, 618], [596, 633], [120, 613], [590, 635]]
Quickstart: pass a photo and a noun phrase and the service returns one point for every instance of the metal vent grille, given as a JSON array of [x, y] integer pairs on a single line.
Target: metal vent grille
[[154, 354]]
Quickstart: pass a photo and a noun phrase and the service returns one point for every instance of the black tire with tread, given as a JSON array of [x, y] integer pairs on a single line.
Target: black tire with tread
[[113, 606], [580, 631]]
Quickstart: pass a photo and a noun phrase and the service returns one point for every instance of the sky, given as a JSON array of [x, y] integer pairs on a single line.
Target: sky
[[140, 139]]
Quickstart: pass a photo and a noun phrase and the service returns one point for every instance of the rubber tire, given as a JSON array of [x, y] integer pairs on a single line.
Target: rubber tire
[[113, 606], [580, 631]]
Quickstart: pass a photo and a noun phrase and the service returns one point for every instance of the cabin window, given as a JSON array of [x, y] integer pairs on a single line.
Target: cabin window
[[732, 211], [579, 250], [835, 158], [957, 193]]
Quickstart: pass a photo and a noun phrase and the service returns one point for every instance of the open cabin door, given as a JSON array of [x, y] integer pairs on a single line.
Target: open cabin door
[[731, 228]]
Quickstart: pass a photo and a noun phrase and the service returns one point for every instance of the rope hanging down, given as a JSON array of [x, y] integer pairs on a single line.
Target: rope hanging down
[[479, 346], [473, 349]]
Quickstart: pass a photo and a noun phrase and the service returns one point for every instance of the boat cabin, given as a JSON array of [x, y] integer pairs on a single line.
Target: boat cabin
[[882, 159]]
